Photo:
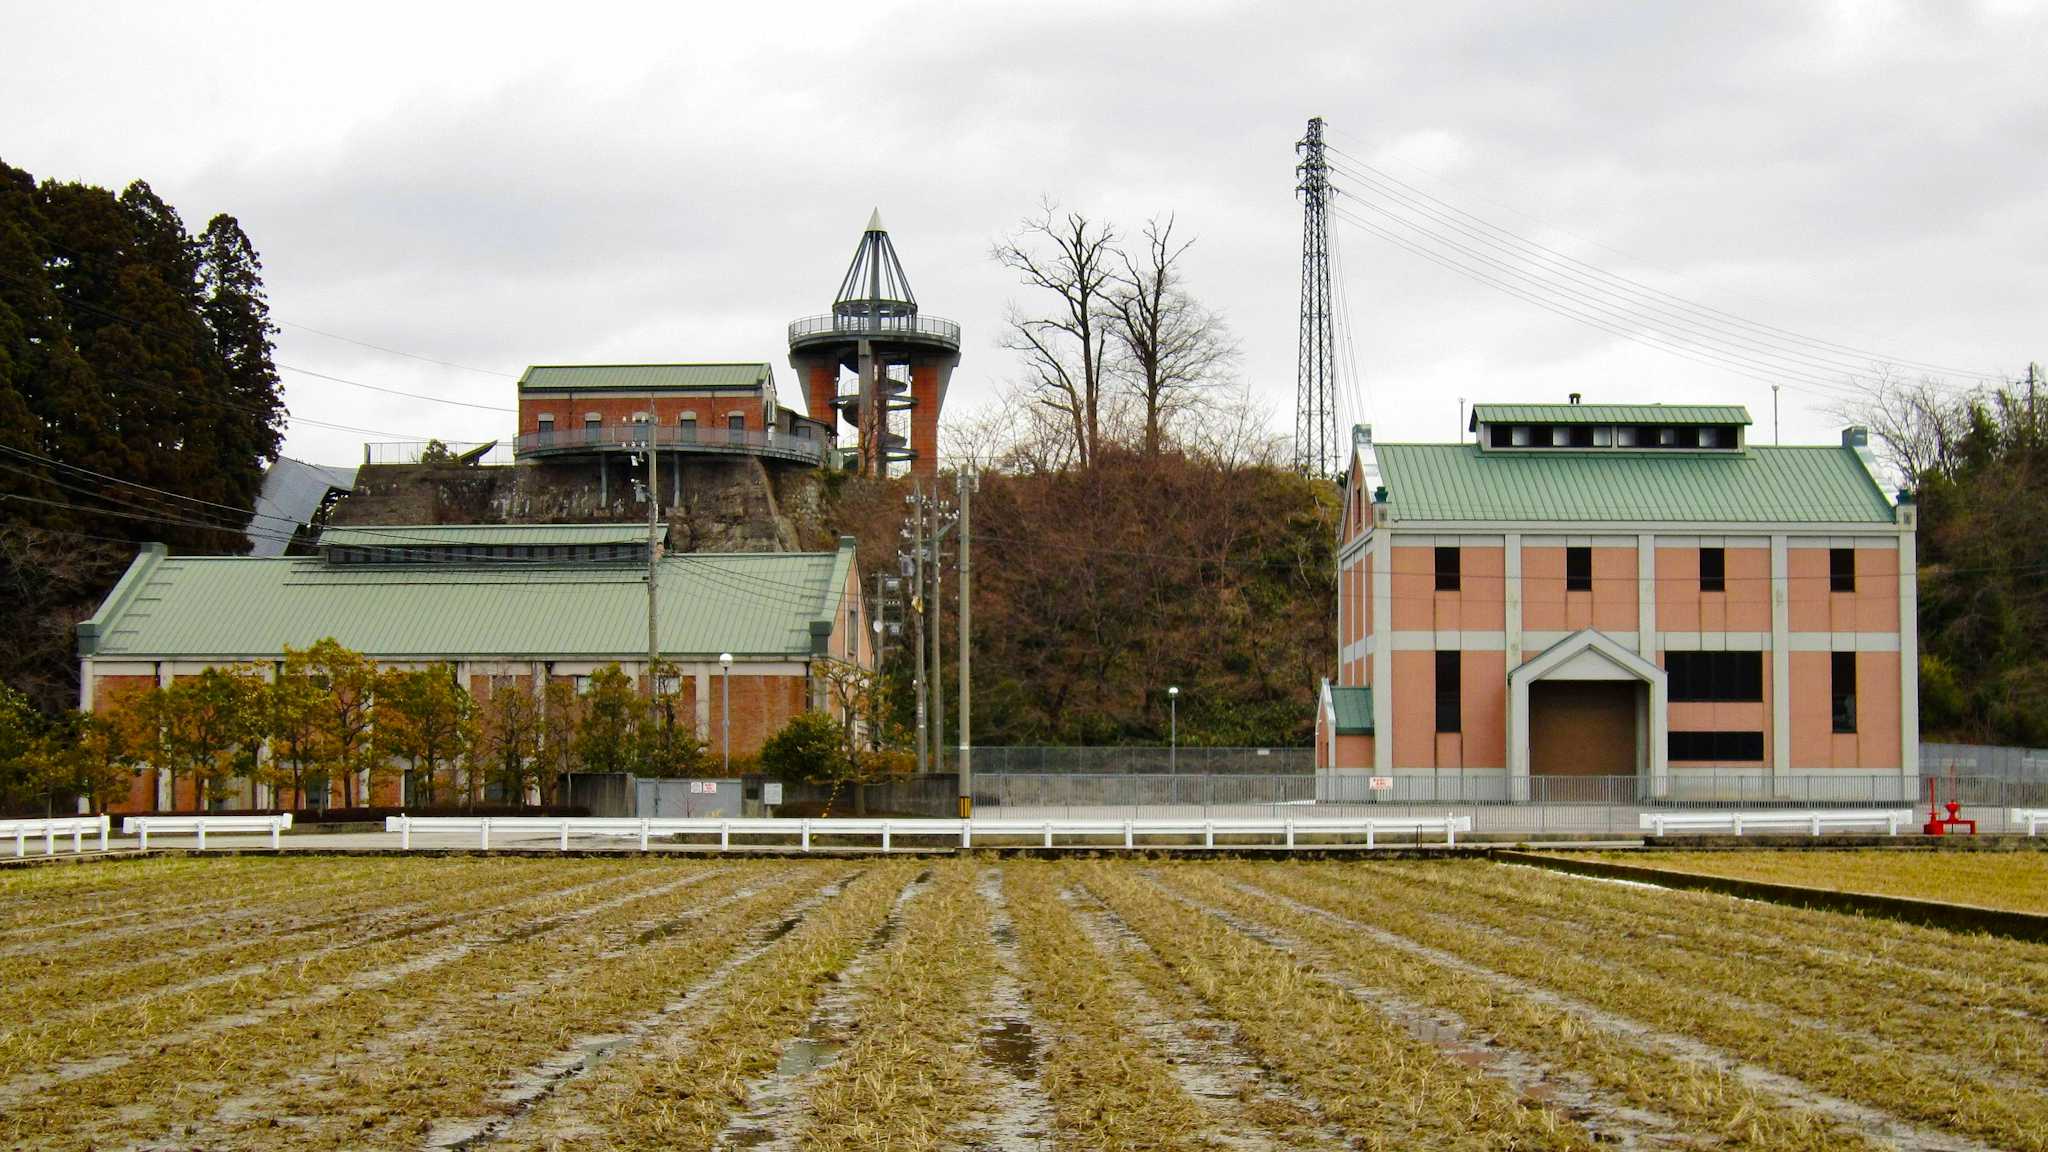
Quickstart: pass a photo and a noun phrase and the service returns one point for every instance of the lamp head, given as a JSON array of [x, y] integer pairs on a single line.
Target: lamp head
[[1173, 691], [725, 659]]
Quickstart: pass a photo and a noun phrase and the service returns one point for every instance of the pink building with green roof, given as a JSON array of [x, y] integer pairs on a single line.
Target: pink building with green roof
[[1630, 592]]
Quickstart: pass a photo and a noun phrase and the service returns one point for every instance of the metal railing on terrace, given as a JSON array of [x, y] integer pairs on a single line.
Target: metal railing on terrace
[[913, 327], [410, 451], [677, 438]]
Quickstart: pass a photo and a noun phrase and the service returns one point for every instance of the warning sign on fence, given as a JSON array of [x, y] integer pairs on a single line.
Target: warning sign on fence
[[1381, 783]]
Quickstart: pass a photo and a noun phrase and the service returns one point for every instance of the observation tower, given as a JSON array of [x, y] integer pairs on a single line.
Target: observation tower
[[901, 361]]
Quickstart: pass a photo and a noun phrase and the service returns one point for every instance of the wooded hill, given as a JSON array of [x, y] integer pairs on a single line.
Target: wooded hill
[[1097, 588]]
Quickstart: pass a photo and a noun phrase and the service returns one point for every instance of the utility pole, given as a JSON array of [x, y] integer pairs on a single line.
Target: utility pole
[[966, 681], [937, 608], [1774, 416], [877, 621], [653, 554], [917, 607]]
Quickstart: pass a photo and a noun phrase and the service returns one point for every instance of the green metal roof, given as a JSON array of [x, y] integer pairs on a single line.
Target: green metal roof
[[445, 535], [1608, 414], [752, 604], [1763, 483], [644, 377], [1353, 707]]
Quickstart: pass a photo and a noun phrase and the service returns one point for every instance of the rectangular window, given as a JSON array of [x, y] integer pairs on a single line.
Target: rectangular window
[[1842, 690], [1720, 746], [1500, 435], [1448, 717], [1578, 569], [1519, 436], [1603, 436], [1447, 569], [1713, 570], [1627, 436], [1715, 677], [582, 685], [547, 422], [736, 422], [592, 423], [689, 423], [1841, 569], [667, 685]]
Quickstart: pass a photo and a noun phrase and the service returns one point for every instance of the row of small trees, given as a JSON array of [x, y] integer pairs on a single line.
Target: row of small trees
[[331, 716]]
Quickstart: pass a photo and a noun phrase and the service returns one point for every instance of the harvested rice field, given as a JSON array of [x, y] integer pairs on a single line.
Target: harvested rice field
[[980, 1003], [2014, 881]]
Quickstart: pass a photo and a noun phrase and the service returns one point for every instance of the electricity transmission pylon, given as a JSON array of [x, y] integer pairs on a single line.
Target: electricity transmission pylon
[[1315, 408]]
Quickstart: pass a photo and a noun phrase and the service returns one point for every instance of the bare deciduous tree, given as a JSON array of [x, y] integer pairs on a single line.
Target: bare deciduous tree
[[1173, 348], [1918, 425], [1074, 259]]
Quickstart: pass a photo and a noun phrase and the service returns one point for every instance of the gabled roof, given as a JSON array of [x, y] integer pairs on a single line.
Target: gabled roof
[[1762, 484], [644, 377], [1353, 709], [229, 608], [1608, 414], [498, 535]]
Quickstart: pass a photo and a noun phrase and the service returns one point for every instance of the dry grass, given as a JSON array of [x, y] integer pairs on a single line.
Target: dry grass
[[1109, 1089], [256, 1003], [1607, 971], [1365, 1073], [2016, 881], [909, 1077]]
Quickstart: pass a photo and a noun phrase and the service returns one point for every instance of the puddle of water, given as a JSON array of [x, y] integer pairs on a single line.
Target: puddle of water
[[1010, 1045], [807, 1054]]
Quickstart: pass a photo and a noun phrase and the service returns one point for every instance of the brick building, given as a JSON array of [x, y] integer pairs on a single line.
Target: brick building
[[1622, 591], [504, 606], [582, 409]]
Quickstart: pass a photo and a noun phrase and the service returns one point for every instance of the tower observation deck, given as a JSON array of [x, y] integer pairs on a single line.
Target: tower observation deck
[[901, 360]]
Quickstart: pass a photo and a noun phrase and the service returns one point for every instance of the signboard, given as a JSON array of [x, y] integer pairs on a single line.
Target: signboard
[[771, 792], [1381, 783]]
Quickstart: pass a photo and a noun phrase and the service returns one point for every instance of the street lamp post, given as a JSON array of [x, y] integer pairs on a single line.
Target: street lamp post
[[1173, 730], [725, 709]]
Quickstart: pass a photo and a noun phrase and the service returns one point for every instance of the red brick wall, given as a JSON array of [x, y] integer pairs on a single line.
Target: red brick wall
[[924, 419], [569, 411]]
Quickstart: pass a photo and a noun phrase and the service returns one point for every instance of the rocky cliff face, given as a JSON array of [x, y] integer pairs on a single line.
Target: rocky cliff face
[[713, 503]]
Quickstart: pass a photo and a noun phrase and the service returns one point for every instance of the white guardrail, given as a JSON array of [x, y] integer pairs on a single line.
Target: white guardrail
[[1049, 833], [2032, 819], [141, 826], [76, 827], [1813, 822]]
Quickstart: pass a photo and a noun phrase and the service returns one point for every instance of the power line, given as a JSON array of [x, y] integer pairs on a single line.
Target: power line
[[1783, 334]]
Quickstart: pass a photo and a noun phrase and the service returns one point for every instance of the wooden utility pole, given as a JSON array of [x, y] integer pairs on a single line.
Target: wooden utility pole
[[653, 553]]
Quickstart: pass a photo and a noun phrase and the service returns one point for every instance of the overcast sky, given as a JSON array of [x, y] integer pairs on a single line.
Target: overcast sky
[[510, 185]]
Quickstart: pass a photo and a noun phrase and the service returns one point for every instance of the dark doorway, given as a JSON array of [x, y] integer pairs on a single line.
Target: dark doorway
[[1582, 728]]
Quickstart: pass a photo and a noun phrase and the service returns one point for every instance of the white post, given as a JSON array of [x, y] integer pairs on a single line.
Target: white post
[[484, 834], [967, 833], [1370, 827], [565, 835], [1208, 834], [885, 835], [405, 833], [49, 838], [276, 834], [1450, 829], [1290, 833], [200, 824], [1737, 823], [643, 834], [142, 834], [77, 838], [1816, 824], [1129, 833], [724, 835], [21, 839], [805, 828], [106, 823], [1048, 833]]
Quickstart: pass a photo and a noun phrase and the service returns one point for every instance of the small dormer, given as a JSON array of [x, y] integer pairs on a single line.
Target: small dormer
[[1610, 427]]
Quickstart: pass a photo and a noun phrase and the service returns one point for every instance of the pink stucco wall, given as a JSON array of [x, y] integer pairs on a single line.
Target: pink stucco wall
[[1547, 606], [1812, 607]]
